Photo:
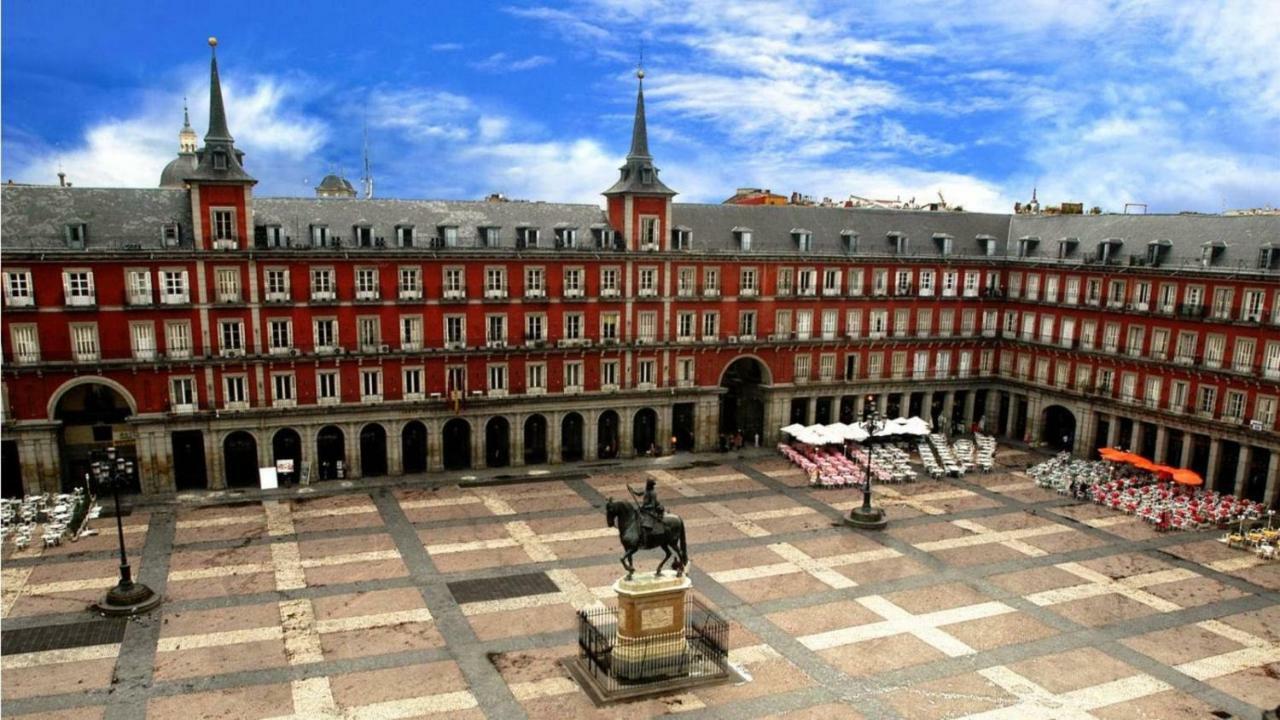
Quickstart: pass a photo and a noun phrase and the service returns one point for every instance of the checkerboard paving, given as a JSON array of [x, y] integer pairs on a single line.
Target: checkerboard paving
[[986, 598]]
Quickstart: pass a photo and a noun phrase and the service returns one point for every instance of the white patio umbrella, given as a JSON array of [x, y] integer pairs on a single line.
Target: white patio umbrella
[[792, 429]]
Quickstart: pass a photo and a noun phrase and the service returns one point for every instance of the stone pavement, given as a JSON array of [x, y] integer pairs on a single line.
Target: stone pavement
[[986, 597]]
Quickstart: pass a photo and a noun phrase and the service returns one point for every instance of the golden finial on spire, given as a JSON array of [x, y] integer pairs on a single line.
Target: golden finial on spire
[[213, 42]]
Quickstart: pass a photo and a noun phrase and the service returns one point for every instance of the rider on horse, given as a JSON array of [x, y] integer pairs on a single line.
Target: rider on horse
[[651, 511]]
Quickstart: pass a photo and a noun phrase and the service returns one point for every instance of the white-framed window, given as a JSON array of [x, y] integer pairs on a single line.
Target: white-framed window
[[322, 286], [227, 284], [77, 286], [609, 375], [182, 394], [319, 235], [827, 367], [573, 376], [455, 380], [710, 282], [526, 237], [369, 333], [830, 282], [279, 335], [685, 372], [804, 324], [1214, 349], [686, 282], [223, 223], [495, 282], [18, 288], [853, 324], [851, 367], [411, 383], [1207, 400], [366, 283], [497, 378], [610, 287], [277, 282], [535, 282], [448, 236], [174, 288], [744, 240], [685, 325], [25, 344], [1271, 361], [495, 330], [924, 322], [177, 339], [747, 325], [282, 389], [231, 337], [142, 339], [327, 389], [830, 319], [1251, 305], [801, 369], [84, 342], [535, 378], [647, 325], [573, 326], [926, 283], [411, 332], [325, 334], [609, 326], [747, 282], [649, 232], [710, 325], [946, 322], [566, 237], [855, 282], [370, 384], [235, 394], [646, 372], [137, 287], [404, 236], [807, 282], [648, 282], [573, 283], [971, 278], [786, 281], [535, 328], [409, 286], [455, 331], [454, 283]]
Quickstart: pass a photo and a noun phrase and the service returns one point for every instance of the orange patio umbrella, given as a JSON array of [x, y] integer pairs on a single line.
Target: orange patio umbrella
[[1163, 470], [1112, 454], [1142, 463], [1187, 476]]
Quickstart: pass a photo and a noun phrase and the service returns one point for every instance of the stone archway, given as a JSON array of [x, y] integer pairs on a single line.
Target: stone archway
[[240, 458], [535, 440], [373, 450], [286, 444], [497, 442], [742, 403], [571, 437], [190, 471], [413, 447], [92, 414], [644, 432], [607, 437], [1058, 427], [331, 453], [456, 441]]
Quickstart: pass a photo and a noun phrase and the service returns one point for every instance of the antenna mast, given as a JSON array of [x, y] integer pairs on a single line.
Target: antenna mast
[[367, 180]]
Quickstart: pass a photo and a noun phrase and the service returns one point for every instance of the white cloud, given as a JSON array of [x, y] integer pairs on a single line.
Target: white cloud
[[501, 62], [567, 22], [422, 113]]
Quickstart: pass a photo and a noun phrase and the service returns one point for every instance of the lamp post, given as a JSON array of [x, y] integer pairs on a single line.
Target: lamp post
[[127, 597], [867, 517]]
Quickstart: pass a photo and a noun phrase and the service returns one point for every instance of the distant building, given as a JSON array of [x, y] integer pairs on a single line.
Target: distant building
[[335, 186], [756, 196]]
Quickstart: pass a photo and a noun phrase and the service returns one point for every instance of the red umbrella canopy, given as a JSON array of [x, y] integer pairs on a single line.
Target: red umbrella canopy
[[1187, 476], [1112, 454]]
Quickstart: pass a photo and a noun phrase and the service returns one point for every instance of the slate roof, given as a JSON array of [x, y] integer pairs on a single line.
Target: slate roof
[[35, 217]]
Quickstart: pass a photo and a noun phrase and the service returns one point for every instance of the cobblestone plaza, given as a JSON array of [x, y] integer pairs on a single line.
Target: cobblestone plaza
[[986, 597]]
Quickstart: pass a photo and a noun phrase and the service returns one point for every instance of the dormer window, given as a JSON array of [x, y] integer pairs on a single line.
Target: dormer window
[[566, 237], [1107, 249], [987, 244], [363, 235], [76, 234], [1156, 250], [1210, 251], [945, 243], [170, 234], [648, 232], [1067, 247], [646, 175], [319, 235], [1027, 245], [219, 161], [488, 235], [803, 239], [603, 236], [849, 241], [448, 235], [901, 243], [743, 237], [404, 236], [273, 236], [681, 238], [526, 237], [1269, 257]]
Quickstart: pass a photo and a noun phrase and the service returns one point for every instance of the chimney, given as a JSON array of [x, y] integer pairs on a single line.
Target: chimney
[[62, 179]]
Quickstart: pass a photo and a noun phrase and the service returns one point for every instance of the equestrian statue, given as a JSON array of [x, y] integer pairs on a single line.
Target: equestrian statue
[[645, 525]]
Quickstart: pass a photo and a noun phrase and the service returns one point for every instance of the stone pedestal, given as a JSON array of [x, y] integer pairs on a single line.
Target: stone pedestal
[[650, 644]]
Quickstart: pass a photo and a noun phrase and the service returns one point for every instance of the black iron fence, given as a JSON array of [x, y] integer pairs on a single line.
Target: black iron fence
[[700, 650]]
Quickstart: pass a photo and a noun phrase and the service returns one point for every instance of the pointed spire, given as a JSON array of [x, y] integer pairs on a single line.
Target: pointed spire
[[186, 115], [217, 114], [639, 129]]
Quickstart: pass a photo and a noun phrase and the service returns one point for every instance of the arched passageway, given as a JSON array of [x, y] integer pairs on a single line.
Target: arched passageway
[[1058, 427], [286, 444], [11, 471], [683, 427], [535, 440], [373, 450], [456, 441], [742, 403], [93, 416], [497, 442], [331, 453], [607, 436], [571, 442], [644, 433], [240, 454], [413, 447], [189, 469]]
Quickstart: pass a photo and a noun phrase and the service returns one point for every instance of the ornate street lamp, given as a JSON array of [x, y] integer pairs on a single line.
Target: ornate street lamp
[[127, 597], [867, 517]]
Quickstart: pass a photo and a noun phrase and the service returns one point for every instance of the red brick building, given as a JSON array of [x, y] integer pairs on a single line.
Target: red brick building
[[210, 332]]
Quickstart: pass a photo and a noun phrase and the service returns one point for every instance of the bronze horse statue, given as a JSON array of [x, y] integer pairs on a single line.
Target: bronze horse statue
[[669, 536]]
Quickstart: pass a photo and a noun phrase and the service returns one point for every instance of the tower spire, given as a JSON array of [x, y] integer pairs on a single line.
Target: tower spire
[[639, 175], [217, 114], [186, 114], [186, 136], [639, 129]]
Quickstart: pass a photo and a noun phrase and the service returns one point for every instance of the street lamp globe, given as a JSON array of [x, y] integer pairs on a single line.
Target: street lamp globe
[[112, 473]]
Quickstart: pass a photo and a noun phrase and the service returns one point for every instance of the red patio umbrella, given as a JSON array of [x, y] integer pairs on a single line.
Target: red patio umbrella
[[1187, 476]]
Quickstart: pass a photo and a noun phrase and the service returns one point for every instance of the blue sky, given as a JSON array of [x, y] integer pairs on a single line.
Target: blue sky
[[1174, 104]]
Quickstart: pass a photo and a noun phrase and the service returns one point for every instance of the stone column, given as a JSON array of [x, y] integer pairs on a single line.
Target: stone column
[[1033, 418], [1135, 437], [591, 435], [1113, 430], [553, 437], [1272, 494], [1211, 472], [626, 432], [517, 440], [395, 449], [970, 404], [214, 461], [1001, 399], [663, 430], [882, 404], [1162, 444], [435, 446], [811, 411], [1242, 469], [478, 453], [859, 407], [1188, 439], [948, 407], [351, 451], [926, 407], [1084, 434]]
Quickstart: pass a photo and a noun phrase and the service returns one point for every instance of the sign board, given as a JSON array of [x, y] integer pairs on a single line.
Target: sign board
[[1255, 425], [285, 466], [267, 478], [304, 477]]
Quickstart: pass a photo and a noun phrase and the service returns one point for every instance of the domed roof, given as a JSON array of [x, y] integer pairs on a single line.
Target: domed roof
[[335, 182], [178, 168]]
